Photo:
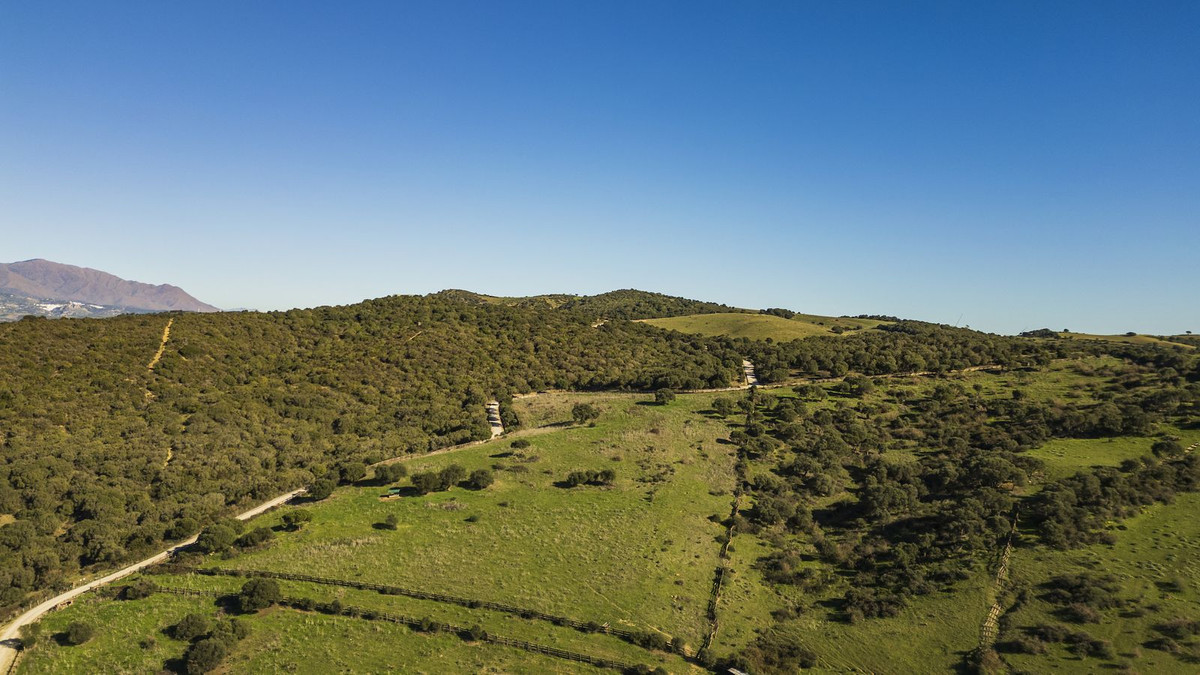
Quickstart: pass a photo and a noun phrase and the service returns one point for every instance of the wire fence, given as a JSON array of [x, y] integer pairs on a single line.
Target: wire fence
[[422, 625]]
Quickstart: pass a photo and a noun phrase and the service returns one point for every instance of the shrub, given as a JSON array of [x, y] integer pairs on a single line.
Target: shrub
[[584, 412], [352, 472], [259, 594], [321, 489], [664, 396], [296, 518], [204, 656], [142, 588], [190, 627], [258, 535], [480, 479], [78, 633], [451, 476], [390, 473], [520, 444], [391, 522], [29, 634]]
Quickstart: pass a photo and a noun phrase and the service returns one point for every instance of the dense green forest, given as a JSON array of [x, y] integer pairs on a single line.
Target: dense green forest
[[103, 459]]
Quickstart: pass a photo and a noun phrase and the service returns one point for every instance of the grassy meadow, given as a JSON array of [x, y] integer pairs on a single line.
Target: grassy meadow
[[760, 326]]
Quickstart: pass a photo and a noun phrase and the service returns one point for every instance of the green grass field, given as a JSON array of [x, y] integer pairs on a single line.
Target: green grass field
[[1130, 339], [639, 554], [761, 326], [1156, 558]]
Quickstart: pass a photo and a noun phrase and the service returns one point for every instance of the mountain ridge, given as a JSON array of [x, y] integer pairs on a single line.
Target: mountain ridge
[[42, 279]]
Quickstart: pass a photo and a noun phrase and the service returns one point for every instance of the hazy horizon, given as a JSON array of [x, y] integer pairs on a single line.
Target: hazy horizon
[[1007, 167]]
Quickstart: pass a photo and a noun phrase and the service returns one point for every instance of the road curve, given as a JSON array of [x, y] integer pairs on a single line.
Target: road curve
[[8, 638]]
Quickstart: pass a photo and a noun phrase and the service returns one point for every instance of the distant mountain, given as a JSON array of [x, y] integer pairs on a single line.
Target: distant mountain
[[85, 292]]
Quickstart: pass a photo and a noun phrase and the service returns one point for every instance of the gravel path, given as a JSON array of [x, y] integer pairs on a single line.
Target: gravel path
[[8, 638]]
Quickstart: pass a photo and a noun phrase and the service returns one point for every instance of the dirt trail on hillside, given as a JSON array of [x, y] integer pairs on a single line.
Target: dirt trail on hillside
[[8, 638], [163, 346]]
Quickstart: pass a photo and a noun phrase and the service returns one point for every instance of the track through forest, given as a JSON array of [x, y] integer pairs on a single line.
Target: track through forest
[[9, 645], [162, 346]]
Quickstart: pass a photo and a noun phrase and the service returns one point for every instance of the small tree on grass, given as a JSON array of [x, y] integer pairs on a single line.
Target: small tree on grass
[[583, 413], [723, 406], [480, 479], [390, 473], [29, 634], [259, 594], [295, 519], [451, 476], [426, 482], [391, 522], [204, 656], [322, 488], [520, 444], [190, 627], [664, 396], [78, 633]]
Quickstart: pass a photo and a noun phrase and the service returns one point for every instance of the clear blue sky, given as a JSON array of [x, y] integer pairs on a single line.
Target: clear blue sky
[[1015, 164]]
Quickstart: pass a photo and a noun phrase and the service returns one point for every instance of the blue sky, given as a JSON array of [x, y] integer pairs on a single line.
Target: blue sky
[[1003, 165]]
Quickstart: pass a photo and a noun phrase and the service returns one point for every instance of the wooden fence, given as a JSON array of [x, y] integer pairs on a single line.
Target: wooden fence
[[420, 624]]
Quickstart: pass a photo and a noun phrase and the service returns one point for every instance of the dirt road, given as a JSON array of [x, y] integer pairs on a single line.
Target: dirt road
[[8, 638]]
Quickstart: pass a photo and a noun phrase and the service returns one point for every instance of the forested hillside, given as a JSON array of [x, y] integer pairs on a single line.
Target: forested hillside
[[103, 458], [634, 304]]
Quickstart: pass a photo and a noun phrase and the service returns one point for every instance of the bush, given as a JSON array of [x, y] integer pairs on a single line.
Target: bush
[[259, 594], [451, 476], [258, 535], [352, 472], [78, 633], [584, 412], [29, 634], [391, 522], [390, 473], [204, 656], [480, 479], [603, 477], [190, 627], [321, 489], [664, 396], [142, 588], [296, 518], [520, 444], [216, 538]]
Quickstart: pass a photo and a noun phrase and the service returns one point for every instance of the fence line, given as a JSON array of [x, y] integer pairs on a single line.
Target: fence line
[[631, 636], [422, 625]]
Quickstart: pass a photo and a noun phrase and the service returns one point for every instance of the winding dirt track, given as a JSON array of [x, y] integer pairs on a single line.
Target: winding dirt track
[[162, 346], [8, 638]]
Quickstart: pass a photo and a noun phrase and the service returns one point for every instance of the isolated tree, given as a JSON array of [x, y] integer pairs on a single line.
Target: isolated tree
[[391, 522], [259, 594], [583, 413], [480, 479], [451, 476], [204, 656], [664, 396], [215, 538], [723, 406], [321, 489], [190, 627], [78, 633], [390, 473], [295, 519], [426, 482]]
